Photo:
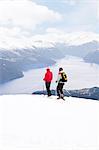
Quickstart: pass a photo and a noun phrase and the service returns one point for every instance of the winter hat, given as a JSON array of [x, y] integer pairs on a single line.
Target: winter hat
[[48, 69], [60, 69]]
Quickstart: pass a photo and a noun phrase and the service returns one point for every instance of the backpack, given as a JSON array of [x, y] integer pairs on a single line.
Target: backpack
[[64, 77]]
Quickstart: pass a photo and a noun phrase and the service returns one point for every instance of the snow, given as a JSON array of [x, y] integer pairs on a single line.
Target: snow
[[35, 122], [46, 40]]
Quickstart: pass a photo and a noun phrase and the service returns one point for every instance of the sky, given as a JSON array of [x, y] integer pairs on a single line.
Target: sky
[[27, 18]]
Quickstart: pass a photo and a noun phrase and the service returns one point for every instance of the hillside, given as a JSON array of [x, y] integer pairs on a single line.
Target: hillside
[[39, 57], [92, 57], [36, 122], [9, 71]]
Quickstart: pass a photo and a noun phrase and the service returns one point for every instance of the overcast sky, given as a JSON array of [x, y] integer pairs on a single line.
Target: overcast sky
[[31, 17]]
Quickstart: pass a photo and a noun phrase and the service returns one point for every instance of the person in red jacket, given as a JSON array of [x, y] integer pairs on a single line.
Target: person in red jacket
[[48, 78]]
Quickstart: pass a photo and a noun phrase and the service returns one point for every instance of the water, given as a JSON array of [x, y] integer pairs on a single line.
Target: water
[[80, 75]]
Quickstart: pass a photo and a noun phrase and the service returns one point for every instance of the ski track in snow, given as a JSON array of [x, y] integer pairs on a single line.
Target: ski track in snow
[[35, 122]]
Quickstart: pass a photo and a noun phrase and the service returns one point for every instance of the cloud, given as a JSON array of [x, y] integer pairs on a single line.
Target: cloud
[[54, 31], [22, 21], [14, 39], [83, 15], [70, 2], [19, 19], [53, 36], [25, 14], [98, 10]]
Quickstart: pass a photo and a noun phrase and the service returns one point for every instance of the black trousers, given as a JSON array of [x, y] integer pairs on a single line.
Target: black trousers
[[47, 84], [60, 89]]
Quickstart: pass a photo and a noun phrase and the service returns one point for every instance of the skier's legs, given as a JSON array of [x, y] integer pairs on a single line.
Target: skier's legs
[[48, 88], [60, 89]]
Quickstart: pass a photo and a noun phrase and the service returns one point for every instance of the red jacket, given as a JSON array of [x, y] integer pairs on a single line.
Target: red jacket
[[48, 76]]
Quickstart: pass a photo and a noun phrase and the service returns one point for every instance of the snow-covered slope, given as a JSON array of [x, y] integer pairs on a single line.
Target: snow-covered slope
[[29, 122]]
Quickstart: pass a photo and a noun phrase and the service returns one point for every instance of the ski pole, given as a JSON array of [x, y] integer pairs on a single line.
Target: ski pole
[[68, 93], [43, 90]]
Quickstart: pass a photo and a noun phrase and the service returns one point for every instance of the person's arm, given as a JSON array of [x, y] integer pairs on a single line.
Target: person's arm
[[45, 77]]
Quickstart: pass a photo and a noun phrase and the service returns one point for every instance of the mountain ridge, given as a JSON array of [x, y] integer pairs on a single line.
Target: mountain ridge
[[31, 58], [87, 93]]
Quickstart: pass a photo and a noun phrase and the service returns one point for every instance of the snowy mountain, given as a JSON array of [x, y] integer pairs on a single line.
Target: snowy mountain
[[79, 50], [13, 63], [33, 122], [47, 40], [92, 57], [34, 53]]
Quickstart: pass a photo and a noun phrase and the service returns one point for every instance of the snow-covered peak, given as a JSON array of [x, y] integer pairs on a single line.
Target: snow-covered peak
[[81, 38], [74, 38], [47, 40]]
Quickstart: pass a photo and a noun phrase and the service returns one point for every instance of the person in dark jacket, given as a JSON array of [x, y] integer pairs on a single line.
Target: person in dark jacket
[[48, 78], [60, 84]]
